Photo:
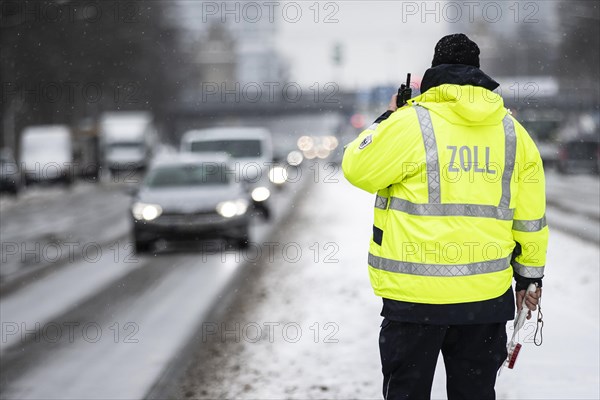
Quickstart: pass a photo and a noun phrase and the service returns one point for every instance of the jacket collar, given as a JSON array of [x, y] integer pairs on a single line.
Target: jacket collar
[[457, 74]]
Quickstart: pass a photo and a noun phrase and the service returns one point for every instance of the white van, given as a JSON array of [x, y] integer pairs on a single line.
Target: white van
[[46, 154], [127, 139], [251, 150]]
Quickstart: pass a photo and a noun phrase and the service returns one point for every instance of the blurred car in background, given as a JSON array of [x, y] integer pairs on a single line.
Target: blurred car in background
[[10, 174], [192, 197], [252, 152], [548, 152], [580, 155], [127, 140], [543, 126], [46, 154]]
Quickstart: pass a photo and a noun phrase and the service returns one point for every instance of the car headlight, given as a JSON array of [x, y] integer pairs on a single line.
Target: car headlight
[[230, 209], [278, 175], [260, 193], [146, 212], [295, 158]]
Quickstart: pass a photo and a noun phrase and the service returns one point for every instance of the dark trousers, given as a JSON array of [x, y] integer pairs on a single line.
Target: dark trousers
[[472, 356]]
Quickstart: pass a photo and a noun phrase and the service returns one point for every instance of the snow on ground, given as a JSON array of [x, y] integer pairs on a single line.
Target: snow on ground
[[342, 361], [566, 366], [573, 204], [236, 362], [48, 227], [579, 193], [143, 310]]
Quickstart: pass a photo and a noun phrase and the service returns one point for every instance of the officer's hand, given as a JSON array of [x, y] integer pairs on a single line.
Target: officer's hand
[[392, 106], [532, 299]]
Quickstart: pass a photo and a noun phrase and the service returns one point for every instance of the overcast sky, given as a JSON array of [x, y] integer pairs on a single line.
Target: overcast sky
[[378, 47], [383, 40]]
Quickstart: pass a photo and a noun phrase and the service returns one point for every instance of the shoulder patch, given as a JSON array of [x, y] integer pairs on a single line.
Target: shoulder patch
[[366, 141]]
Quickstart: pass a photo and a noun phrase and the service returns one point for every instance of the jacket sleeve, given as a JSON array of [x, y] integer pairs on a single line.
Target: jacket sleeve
[[382, 154], [529, 229]]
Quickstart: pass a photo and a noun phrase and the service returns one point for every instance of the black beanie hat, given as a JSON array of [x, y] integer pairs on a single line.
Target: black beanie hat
[[456, 49]]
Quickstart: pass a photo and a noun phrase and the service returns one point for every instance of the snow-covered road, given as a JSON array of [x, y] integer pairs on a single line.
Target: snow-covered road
[[309, 328], [574, 204], [50, 227], [109, 327], [82, 316], [305, 311]]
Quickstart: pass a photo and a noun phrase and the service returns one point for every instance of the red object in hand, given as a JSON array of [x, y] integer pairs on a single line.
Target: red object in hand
[[512, 358]]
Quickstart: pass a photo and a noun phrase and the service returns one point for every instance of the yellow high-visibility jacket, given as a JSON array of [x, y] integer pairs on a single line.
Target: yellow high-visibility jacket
[[459, 182]]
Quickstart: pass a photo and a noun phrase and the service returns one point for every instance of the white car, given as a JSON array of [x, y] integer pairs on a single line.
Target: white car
[[251, 150], [193, 197]]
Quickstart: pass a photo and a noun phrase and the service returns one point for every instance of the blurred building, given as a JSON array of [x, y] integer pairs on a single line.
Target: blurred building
[[257, 58], [229, 43], [215, 56]]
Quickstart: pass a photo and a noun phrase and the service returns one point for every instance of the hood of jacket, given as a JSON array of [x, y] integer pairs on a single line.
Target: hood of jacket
[[461, 94]]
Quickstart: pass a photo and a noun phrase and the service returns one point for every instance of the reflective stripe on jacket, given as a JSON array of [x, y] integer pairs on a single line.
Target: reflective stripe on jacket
[[459, 181]]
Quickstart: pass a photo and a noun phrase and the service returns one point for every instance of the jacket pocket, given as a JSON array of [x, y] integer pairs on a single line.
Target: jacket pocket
[[377, 235]]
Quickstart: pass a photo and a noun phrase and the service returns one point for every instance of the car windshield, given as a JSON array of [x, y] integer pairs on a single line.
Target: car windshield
[[243, 148], [187, 175]]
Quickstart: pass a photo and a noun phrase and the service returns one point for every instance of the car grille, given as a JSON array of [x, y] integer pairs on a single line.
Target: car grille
[[188, 219]]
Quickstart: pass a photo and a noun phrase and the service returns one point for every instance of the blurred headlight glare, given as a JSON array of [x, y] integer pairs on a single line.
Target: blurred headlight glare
[[229, 209], [260, 194], [310, 154], [242, 207], [278, 175], [146, 212], [330, 143], [295, 158], [323, 153], [305, 143]]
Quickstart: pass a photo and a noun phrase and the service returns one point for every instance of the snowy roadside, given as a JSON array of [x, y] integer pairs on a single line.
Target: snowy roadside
[[161, 298], [319, 321], [259, 354], [48, 228], [566, 366], [573, 205]]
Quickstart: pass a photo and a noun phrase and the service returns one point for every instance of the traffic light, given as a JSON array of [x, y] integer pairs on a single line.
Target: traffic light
[[338, 54]]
